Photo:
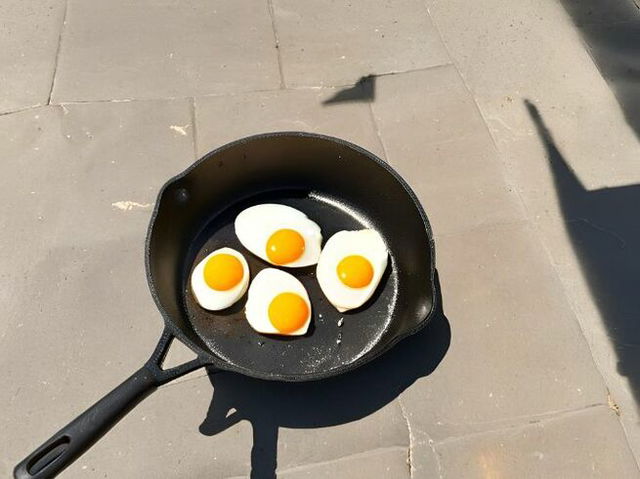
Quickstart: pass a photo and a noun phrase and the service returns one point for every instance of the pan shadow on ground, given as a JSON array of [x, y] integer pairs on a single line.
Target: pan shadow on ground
[[604, 229], [611, 30], [271, 405], [363, 91]]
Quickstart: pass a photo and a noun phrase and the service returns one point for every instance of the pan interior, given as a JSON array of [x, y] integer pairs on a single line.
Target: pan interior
[[327, 346]]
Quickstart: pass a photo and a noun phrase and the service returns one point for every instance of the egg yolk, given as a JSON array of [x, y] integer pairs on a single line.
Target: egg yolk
[[288, 312], [223, 271], [285, 246], [355, 271]]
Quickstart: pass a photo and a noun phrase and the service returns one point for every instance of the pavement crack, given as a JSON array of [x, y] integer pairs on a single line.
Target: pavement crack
[[20, 110], [57, 57], [432, 445], [372, 452], [277, 43], [613, 234], [612, 404], [533, 421], [194, 130], [411, 438], [376, 127]]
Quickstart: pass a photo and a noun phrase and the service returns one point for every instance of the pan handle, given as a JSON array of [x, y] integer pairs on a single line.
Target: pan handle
[[73, 440]]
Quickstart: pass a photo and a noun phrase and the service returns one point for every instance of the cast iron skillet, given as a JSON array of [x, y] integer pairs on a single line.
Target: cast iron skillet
[[339, 186]]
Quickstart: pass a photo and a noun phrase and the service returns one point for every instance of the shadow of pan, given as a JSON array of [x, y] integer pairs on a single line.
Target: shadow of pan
[[270, 405]]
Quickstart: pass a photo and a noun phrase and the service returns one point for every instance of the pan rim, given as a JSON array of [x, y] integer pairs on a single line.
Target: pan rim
[[208, 357]]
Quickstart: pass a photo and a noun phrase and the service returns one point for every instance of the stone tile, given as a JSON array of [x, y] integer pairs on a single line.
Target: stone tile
[[533, 52], [584, 121], [75, 201], [608, 325], [385, 428], [29, 36], [434, 135], [148, 49], [586, 444], [430, 105], [161, 438], [221, 119], [374, 464], [516, 348], [320, 44]]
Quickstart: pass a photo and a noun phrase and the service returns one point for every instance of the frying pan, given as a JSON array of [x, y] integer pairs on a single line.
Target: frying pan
[[339, 186]]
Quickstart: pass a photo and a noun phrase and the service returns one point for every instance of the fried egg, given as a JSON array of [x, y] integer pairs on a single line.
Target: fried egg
[[278, 304], [220, 279], [350, 267], [279, 234]]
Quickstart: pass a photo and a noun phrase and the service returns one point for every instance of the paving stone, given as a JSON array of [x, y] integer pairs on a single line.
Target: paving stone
[[384, 428], [516, 349], [318, 422], [320, 44], [161, 438], [75, 201], [586, 444], [221, 119], [585, 124], [374, 464], [532, 51], [434, 135], [149, 49], [29, 36]]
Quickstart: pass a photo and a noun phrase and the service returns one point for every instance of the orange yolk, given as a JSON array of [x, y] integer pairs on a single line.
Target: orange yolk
[[223, 271], [355, 271], [288, 312], [285, 246]]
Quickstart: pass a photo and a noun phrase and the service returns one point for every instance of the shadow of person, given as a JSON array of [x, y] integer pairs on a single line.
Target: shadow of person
[[604, 229], [270, 405], [611, 29]]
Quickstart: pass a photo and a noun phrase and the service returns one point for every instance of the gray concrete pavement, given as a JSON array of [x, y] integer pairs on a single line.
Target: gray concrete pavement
[[103, 101]]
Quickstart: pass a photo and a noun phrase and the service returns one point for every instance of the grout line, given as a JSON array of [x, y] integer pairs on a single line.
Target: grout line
[[403, 412], [57, 58], [532, 421], [386, 74], [376, 128], [194, 131], [357, 455], [20, 110], [277, 43], [221, 94]]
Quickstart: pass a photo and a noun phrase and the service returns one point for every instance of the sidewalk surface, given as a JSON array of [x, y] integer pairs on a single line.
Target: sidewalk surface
[[517, 125]]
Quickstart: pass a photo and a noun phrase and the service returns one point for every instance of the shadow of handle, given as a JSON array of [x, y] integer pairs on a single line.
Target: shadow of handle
[[73, 440]]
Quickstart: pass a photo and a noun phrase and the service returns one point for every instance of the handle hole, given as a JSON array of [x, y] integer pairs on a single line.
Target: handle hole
[[47, 454]]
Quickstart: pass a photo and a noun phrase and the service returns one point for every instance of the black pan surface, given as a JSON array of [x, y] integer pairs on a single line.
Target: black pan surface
[[327, 346], [339, 186]]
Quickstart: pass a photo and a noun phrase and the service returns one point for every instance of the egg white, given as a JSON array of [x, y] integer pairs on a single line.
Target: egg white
[[212, 299], [256, 224], [267, 284], [367, 243]]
